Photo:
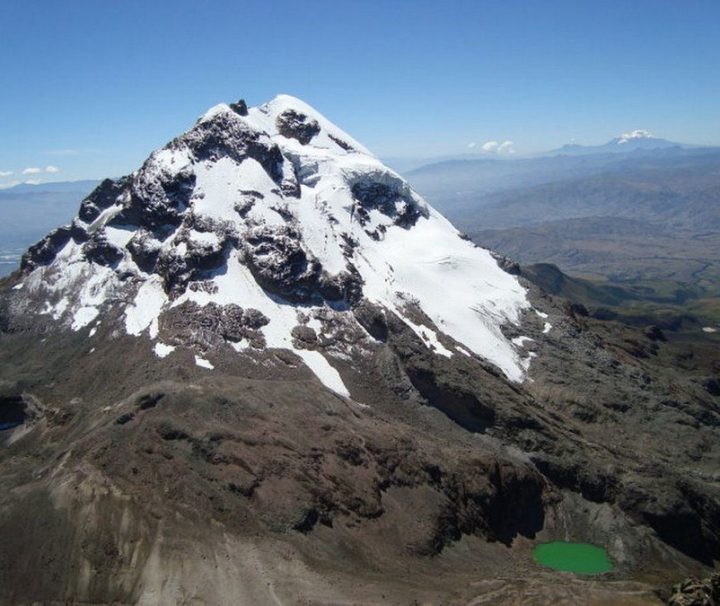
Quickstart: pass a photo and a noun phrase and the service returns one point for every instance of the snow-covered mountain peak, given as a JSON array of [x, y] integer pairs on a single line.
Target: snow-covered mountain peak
[[291, 122], [638, 133], [270, 227]]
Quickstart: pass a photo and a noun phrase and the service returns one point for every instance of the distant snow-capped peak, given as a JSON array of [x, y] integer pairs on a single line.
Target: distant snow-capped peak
[[638, 133], [272, 225]]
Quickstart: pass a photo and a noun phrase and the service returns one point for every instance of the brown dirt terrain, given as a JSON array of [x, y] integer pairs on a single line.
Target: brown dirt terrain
[[138, 480]]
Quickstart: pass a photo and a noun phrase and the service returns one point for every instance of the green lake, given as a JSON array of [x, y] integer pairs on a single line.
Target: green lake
[[581, 558]]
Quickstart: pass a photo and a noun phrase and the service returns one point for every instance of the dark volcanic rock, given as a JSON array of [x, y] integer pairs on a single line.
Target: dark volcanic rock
[[655, 333], [225, 136], [372, 318], [44, 252], [100, 251], [104, 196], [389, 199], [343, 144], [697, 592], [280, 264], [156, 203], [145, 250], [210, 326], [13, 411], [712, 386], [240, 108], [178, 269], [304, 337], [294, 125]]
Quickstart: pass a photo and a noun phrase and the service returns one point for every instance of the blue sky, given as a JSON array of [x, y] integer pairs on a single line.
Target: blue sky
[[90, 88]]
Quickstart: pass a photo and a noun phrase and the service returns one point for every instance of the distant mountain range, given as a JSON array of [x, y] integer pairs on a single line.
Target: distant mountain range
[[28, 211], [58, 186], [637, 140], [647, 220]]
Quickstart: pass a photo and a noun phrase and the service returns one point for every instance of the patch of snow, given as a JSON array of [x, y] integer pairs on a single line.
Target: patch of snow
[[282, 103], [638, 133], [542, 314], [18, 286], [547, 327], [526, 362], [430, 338], [207, 238], [59, 309], [146, 307], [476, 297], [154, 328], [238, 346], [203, 363], [329, 377], [220, 184], [316, 325], [709, 329], [171, 159], [181, 249], [104, 217], [520, 341], [83, 317], [162, 350], [220, 108], [119, 236]]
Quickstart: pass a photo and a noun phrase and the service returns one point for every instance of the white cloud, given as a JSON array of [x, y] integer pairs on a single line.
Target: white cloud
[[495, 147], [5, 173], [472, 145], [33, 182], [506, 147], [9, 184], [34, 170]]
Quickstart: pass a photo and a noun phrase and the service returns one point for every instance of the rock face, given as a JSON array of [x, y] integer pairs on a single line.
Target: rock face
[[262, 369], [697, 592]]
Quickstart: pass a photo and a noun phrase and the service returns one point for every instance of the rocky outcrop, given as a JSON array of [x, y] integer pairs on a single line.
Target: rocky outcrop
[[105, 195], [240, 107], [697, 592], [99, 250], [294, 125], [387, 197], [226, 137], [211, 326], [45, 251], [156, 201]]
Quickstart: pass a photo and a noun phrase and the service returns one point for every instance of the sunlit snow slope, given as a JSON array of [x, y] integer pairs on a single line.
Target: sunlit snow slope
[[277, 219]]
